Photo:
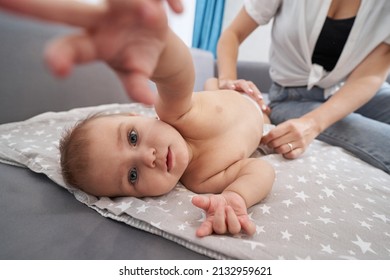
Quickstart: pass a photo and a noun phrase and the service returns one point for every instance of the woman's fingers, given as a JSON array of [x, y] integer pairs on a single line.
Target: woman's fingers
[[248, 88], [290, 138]]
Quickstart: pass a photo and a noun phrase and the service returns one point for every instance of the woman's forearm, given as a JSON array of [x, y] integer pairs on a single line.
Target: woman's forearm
[[228, 45], [358, 89], [227, 54]]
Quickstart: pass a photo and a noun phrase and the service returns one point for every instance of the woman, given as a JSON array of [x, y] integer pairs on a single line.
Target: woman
[[329, 62]]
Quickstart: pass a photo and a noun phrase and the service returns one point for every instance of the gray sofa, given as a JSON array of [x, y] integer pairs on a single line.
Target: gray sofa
[[38, 219]]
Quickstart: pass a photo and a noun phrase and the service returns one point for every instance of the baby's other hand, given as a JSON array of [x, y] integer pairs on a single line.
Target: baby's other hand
[[225, 213]]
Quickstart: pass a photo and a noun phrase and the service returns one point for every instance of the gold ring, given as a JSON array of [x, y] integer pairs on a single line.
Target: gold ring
[[291, 146]]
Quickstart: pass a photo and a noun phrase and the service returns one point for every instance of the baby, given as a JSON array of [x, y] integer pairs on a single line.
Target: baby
[[204, 140]]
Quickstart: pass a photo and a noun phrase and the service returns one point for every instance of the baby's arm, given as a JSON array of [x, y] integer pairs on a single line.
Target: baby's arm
[[227, 212], [174, 77]]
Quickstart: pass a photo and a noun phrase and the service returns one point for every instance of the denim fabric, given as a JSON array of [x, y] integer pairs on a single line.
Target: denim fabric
[[365, 133]]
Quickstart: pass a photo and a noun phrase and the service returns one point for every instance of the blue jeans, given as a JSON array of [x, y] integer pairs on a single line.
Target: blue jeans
[[365, 132]]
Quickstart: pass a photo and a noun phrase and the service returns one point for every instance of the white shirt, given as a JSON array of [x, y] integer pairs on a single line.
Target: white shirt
[[297, 25]]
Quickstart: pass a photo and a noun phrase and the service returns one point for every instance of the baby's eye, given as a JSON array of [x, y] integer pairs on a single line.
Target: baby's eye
[[133, 175], [132, 137]]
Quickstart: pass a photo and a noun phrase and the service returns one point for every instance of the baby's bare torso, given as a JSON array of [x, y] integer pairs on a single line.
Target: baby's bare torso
[[222, 128]]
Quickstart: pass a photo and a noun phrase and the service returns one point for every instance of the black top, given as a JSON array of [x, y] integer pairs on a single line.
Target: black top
[[331, 42]]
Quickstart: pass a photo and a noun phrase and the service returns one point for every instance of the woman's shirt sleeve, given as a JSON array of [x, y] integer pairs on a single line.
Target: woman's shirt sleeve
[[262, 11]]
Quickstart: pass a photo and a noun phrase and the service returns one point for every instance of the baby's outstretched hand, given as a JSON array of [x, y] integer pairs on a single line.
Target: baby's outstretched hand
[[225, 213], [128, 35]]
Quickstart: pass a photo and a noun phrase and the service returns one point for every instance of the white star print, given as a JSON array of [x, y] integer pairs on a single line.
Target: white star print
[[253, 244], [259, 229], [358, 206], [181, 227], [364, 224], [265, 209], [301, 195], [6, 136], [302, 179], [124, 205], [157, 225], [328, 192], [323, 176], [162, 202], [142, 208], [331, 167], [289, 187], [341, 186], [381, 217], [368, 187], [286, 235], [327, 249], [364, 246], [326, 209], [287, 202], [325, 220]]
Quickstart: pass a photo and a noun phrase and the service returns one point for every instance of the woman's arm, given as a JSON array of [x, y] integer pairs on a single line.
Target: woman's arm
[[227, 54], [359, 88], [229, 42]]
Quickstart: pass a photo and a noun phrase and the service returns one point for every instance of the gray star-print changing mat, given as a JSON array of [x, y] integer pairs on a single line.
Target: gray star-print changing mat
[[325, 205]]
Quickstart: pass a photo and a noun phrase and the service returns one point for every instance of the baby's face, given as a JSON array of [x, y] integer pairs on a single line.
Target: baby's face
[[134, 156]]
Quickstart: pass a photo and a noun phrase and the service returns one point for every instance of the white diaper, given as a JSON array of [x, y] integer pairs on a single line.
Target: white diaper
[[264, 149]]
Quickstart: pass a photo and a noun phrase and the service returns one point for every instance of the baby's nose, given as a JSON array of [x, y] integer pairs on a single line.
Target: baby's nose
[[149, 157]]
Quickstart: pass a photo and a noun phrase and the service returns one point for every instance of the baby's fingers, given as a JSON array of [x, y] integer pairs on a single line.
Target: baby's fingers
[[247, 225], [233, 224], [205, 229], [137, 87], [202, 202], [75, 13], [63, 53], [219, 221]]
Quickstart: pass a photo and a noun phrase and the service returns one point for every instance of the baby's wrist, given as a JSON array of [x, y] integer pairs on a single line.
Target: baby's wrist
[[230, 196]]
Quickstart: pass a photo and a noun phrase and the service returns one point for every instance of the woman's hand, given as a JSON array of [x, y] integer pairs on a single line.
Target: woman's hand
[[225, 213], [291, 138], [247, 87]]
